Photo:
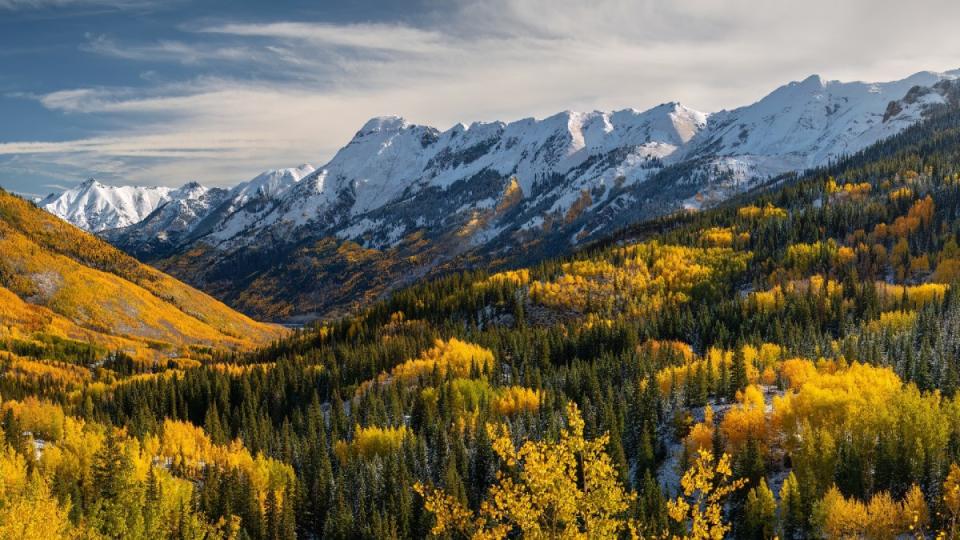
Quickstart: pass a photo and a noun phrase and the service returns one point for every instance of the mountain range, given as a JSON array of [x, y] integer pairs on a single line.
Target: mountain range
[[401, 201]]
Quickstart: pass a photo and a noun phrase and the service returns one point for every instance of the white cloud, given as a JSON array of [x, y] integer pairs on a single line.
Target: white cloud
[[484, 60], [386, 37], [172, 51]]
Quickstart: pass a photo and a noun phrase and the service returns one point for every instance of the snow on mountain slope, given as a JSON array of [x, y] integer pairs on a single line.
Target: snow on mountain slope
[[193, 209], [809, 123], [97, 207], [177, 215], [495, 189], [390, 160]]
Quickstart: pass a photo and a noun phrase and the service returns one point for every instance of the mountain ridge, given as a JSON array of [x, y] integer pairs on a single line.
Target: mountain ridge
[[421, 197]]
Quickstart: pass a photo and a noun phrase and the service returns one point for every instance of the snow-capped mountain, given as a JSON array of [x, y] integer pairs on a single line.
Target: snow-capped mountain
[[807, 124], [96, 207], [414, 198], [194, 211]]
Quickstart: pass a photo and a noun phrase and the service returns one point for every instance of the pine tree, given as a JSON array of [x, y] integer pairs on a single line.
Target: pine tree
[[791, 508], [738, 374], [761, 512]]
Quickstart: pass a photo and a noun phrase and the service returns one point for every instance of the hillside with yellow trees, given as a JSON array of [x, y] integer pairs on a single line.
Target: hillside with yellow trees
[[784, 366], [58, 283]]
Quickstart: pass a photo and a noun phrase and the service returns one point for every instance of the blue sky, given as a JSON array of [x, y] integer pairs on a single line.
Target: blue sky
[[165, 92]]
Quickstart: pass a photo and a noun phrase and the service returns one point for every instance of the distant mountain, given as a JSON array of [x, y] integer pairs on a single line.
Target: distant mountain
[[59, 283], [400, 200], [96, 207]]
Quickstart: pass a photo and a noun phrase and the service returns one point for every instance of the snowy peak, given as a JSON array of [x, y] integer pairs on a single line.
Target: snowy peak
[[382, 124], [807, 123], [271, 183], [98, 207]]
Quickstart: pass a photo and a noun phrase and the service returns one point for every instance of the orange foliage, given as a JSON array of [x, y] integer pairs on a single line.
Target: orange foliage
[[747, 419], [920, 215]]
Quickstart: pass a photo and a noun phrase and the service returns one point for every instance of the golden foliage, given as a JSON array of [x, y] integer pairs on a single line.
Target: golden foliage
[[717, 237], [562, 489], [775, 298], [190, 449], [705, 487], [517, 399], [746, 420], [44, 419], [93, 292], [512, 194], [637, 279], [768, 211], [757, 361], [951, 496], [514, 277], [451, 356], [63, 376], [803, 257], [858, 403], [847, 190], [901, 193], [915, 296], [701, 434], [372, 441], [893, 321], [880, 518], [27, 510]]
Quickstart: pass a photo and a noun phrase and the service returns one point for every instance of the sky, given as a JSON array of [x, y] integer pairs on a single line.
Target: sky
[[162, 92]]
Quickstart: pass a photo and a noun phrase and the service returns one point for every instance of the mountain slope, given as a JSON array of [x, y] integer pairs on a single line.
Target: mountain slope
[[401, 200], [56, 280]]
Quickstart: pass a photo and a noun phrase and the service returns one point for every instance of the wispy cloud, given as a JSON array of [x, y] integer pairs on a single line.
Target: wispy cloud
[[171, 51], [280, 93], [385, 37]]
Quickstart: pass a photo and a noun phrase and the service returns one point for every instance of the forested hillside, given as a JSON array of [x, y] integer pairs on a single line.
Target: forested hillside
[[786, 365], [67, 295]]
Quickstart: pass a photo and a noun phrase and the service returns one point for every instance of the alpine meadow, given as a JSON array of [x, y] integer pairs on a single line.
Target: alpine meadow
[[652, 323]]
